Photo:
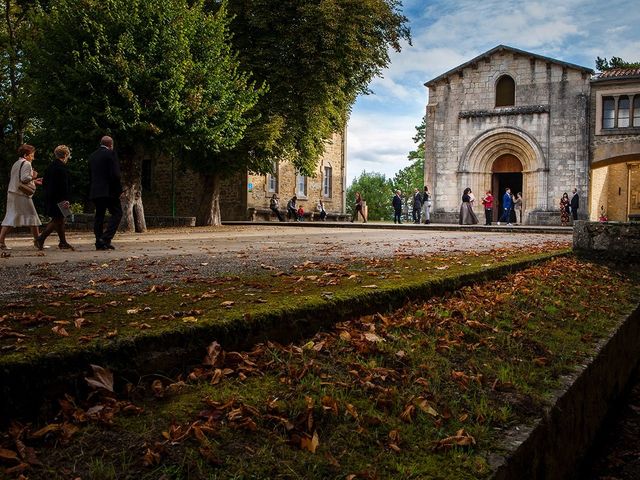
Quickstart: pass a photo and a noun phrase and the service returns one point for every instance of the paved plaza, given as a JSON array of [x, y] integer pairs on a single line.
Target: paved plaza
[[248, 246]]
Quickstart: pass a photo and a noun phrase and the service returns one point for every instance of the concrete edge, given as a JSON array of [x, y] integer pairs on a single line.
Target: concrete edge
[[411, 226], [553, 447], [26, 386]]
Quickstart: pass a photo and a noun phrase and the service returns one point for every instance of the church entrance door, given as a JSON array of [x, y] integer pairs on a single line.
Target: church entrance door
[[506, 173]]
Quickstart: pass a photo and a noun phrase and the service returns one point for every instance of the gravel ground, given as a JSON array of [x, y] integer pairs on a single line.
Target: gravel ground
[[175, 255]]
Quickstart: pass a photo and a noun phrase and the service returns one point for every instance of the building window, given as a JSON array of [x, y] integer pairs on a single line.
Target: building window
[[272, 179], [146, 175], [505, 92], [301, 185], [327, 182], [623, 112], [608, 112], [636, 111]]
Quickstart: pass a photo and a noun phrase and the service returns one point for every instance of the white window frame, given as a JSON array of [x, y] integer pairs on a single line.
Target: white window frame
[[301, 181], [272, 179], [327, 182]]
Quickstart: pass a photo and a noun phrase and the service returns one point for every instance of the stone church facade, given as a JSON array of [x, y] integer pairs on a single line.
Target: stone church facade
[[508, 118], [168, 190]]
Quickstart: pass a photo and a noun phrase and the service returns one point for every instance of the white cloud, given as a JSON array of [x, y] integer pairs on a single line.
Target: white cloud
[[379, 143], [447, 33]]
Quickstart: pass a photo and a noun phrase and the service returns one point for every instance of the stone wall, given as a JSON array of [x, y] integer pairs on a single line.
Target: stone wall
[[608, 239], [613, 152], [173, 184], [259, 195], [549, 117]]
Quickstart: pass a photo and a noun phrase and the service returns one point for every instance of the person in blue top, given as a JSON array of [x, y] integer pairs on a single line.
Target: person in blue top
[[507, 204]]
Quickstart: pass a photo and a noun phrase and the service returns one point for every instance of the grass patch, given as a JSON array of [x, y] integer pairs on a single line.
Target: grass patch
[[425, 391], [47, 324]]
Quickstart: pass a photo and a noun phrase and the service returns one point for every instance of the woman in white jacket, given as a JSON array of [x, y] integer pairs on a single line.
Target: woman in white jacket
[[20, 209]]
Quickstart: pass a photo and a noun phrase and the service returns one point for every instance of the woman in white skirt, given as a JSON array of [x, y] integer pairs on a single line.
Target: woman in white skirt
[[20, 209]]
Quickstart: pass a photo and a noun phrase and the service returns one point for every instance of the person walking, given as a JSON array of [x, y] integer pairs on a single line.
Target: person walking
[[417, 206], [275, 207], [467, 216], [22, 185], [57, 192], [565, 205], [487, 202], [507, 204], [397, 207], [292, 208], [105, 189], [575, 204], [358, 209], [426, 205], [517, 207]]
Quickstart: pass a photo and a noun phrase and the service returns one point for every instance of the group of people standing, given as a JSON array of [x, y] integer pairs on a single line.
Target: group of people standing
[[105, 191], [421, 206], [511, 208], [569, 207]]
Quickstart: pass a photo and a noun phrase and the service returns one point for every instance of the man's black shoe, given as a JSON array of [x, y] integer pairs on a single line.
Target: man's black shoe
[[101, 246], [108, 246]]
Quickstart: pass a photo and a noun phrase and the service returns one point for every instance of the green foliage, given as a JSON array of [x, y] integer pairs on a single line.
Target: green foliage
[[376, 191], [148, 73], [412, 176], [316, 58], [14, 117], [409, 178], [602, 64]]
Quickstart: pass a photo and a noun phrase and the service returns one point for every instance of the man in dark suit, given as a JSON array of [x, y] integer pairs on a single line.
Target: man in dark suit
[[417, 205], [105, 190], [575, 204], [397, 207]]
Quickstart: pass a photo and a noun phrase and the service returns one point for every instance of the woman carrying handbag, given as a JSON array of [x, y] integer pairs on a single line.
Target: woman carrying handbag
[[22, 185]]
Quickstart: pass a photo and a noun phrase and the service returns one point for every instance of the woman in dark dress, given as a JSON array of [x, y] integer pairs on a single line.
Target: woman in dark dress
[[467, 216], [56, 197], [564, 209]]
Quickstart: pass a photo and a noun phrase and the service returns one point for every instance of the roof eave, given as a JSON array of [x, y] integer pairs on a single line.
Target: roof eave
[[512, 49]]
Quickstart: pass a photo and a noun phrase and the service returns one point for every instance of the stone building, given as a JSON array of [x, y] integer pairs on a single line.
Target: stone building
[[508, 118], [169, 190], [615, 144]]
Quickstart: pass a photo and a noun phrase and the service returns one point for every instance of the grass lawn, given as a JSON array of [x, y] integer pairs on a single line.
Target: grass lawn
[[425, 391]]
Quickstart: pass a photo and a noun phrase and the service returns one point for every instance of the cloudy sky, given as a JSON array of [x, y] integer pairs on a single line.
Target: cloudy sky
[[446, 33]]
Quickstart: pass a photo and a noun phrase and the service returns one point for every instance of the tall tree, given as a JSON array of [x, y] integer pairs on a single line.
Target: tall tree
[[602, 64], [316, 57], [14, 116], [148, 73], [376, 192]]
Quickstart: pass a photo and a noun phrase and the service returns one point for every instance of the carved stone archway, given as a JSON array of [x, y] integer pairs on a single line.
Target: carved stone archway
[[475, 167]]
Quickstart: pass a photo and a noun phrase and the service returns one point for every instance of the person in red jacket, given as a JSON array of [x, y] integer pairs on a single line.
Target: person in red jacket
[[487, 201]]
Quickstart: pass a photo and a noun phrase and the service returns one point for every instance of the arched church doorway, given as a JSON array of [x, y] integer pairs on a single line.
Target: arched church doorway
[[506, 172]]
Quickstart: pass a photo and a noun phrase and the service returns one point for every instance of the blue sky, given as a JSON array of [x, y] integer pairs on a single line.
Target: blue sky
[[448, 33]]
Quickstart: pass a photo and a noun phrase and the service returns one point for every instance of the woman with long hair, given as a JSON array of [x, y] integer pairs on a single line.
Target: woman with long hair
[[467, 217]]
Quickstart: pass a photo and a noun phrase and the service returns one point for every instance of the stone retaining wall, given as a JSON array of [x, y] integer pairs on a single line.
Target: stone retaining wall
[[609, 239]]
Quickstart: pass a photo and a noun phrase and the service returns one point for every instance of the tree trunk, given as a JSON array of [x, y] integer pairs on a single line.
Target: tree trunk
[[132, 208], [209, 209]]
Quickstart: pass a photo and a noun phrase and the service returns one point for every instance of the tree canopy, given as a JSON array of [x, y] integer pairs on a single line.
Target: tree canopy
[[375, 191], [602, 64], [151, 74], [316, 57]]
